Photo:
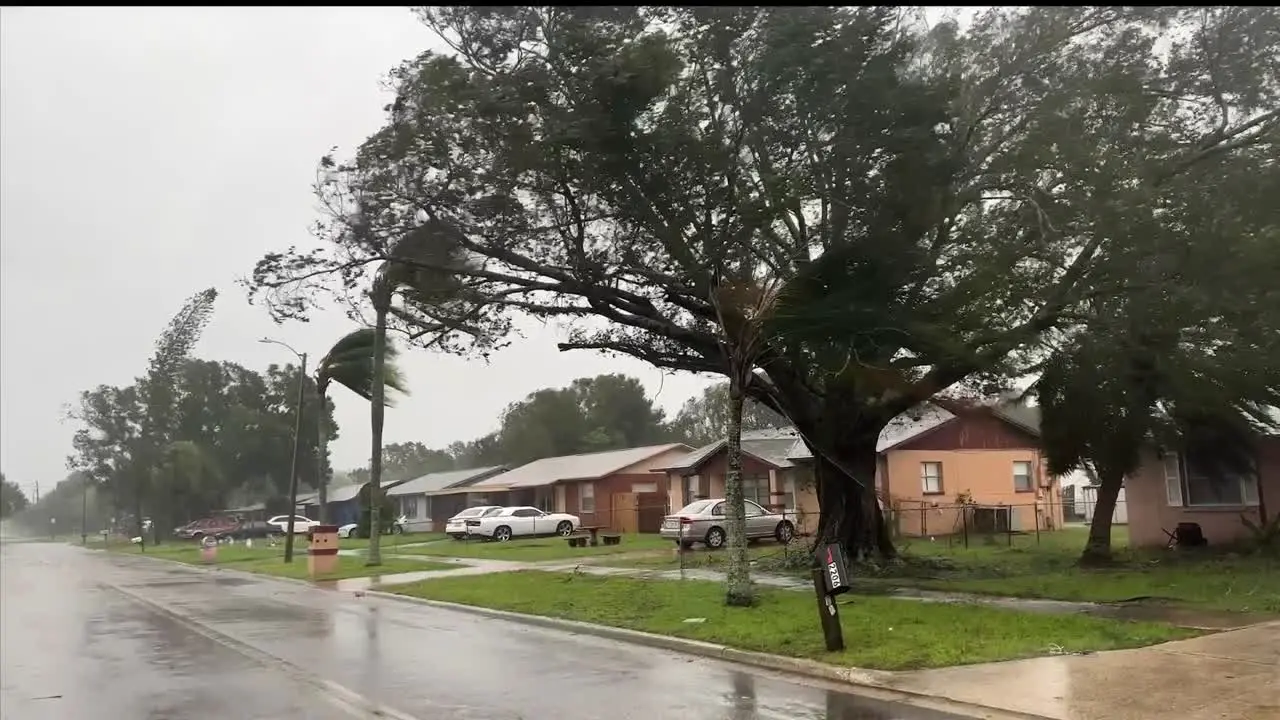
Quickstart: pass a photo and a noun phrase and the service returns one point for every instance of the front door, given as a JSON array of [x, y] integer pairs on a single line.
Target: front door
[[623, 515]]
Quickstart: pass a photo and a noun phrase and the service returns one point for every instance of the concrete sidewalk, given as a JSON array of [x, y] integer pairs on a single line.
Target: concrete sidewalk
[[1232, 675]]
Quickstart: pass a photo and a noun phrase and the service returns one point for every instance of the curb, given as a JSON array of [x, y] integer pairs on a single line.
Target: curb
[[872, 680]]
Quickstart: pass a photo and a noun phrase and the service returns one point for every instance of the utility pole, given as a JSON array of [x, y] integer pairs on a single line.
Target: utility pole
[[293, 464], [84, 510]]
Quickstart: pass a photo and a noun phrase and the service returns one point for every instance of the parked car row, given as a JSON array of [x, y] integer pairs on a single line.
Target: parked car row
[[504, 523]]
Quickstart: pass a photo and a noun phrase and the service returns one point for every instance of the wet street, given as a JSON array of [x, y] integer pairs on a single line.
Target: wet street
[[107, 637]]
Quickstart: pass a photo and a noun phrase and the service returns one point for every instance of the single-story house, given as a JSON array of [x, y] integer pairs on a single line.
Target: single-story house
[[343, 503], [615, 489], [1174, 486], [930, 460], [423, 509]]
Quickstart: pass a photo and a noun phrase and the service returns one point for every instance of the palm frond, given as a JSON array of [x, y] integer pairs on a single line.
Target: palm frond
[[349, 363]]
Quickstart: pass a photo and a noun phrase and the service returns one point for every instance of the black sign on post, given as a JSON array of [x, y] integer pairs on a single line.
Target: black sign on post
[[830, 578], [836, 578]]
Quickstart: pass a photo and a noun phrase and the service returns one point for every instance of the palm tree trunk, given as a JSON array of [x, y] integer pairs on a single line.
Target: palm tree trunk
[[322, 478], [738, 591], [376, 411]]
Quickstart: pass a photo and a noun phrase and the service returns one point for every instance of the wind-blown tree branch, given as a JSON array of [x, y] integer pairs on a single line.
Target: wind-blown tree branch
[[349, 363], [945, 188]]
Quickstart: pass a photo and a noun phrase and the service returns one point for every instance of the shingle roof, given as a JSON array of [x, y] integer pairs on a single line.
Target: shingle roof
[[442, 480], [575, 467]]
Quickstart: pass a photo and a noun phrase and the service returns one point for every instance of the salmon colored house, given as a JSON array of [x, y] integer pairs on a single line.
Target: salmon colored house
[[615, 489], [1177, 487], [939, 469]]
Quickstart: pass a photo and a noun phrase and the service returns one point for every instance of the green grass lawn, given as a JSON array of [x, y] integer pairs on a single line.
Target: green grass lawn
[[390, 542], [538, 549], [1043, 567], [881, 633], [1210, 580], [269, 560]]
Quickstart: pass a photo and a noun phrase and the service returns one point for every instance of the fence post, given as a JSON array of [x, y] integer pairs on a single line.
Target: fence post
[[964, 517], [1036, 509]]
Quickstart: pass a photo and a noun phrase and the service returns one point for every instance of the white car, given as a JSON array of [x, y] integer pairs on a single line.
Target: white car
[[300, 524], [456, 526], [349, 530], [524, 521]]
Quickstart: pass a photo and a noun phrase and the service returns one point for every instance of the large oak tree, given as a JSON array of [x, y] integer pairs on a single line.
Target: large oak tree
[[936, 203]]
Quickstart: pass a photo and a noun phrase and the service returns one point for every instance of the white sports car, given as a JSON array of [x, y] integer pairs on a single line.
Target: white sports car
[[523, 521], [456, 526]]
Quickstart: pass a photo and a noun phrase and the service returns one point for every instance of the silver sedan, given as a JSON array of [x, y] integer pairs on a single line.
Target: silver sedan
[[703, 521]]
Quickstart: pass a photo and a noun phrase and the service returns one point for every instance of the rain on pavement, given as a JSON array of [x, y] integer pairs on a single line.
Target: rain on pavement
[[90, 635]]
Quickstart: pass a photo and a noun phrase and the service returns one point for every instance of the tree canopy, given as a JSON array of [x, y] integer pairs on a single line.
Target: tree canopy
[[704, 418], [935, 203], [12, 499]]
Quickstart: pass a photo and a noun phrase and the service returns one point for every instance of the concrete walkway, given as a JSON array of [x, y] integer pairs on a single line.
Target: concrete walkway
[[1232, 675]]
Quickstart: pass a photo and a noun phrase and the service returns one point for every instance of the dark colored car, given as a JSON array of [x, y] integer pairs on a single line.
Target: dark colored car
[[218, 527], [256, 529]]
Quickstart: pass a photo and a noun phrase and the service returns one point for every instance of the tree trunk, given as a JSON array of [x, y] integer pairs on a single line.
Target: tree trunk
[[845, 478], [1097, 549], [377, 408], [738, 590], [322, 478]]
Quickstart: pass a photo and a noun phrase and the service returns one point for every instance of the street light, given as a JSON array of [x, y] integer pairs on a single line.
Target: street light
[[293, 463]]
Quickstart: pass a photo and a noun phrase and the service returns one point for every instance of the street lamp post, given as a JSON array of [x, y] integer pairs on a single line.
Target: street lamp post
[[293, 464]]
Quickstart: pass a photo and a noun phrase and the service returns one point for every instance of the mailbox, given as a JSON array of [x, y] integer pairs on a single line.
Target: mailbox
[[835, 570]]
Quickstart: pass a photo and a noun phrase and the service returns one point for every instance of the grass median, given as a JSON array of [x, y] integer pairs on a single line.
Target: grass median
[[881, 633], [268, 560], [539, 549]]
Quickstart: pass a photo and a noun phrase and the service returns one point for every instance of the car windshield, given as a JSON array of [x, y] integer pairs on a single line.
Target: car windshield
[[474, 512], [491, 511], [696, 508]]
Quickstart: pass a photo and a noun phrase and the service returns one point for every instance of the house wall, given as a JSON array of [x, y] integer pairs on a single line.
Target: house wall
[[977, 453], [638, 479], [1150, 514]]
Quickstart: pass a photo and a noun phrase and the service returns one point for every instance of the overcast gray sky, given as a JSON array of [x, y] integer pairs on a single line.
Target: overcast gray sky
[[149, 153]]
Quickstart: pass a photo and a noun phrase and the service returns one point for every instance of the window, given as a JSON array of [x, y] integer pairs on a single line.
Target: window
[[718, 510], [753, 510], [409, 507], [1205, 484], [642, 488], [931, 478], [587, 498], [789, 485], [1022, 480], [527, 512], [756, 488]]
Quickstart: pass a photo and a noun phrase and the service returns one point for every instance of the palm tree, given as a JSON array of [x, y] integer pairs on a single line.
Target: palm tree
[[349, 363], [417, 269], [742, 305]]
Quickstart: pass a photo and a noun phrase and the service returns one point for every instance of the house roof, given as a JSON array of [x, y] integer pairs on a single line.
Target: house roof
[[590, 466], [772, 447], [444, 480], [782, 447]]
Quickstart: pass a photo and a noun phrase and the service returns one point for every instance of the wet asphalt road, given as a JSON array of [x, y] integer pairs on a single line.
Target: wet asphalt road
[[89, 635]]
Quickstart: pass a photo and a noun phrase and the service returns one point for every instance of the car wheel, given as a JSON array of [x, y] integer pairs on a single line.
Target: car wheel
[[397, 529], [502, 533], [197, 536], [564, 529], [715, 538], [785, 532]]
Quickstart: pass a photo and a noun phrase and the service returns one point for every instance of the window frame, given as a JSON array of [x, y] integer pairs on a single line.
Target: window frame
[[1030, 475], [586, 491], [1178, 479], [925, 477]]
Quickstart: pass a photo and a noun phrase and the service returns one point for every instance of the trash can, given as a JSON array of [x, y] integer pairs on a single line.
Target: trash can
[[322, 554]]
